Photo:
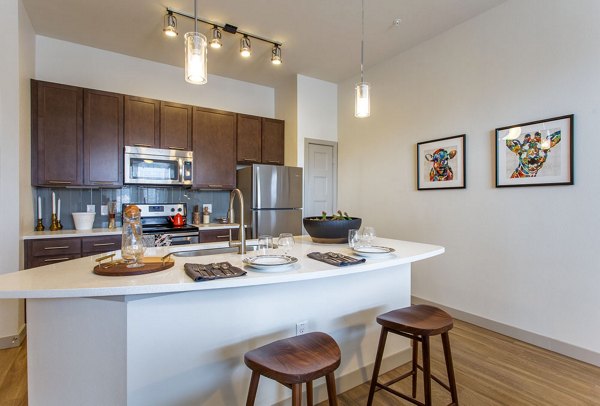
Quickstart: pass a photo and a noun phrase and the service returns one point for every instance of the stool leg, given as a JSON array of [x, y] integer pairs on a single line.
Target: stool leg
[[378, 358], [309, 393], [253, 388], [426, 371], [297, 394], [331, 392], [450, 367], [415, 355]]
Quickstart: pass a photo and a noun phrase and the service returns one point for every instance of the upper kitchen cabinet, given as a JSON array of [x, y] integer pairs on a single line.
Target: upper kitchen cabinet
[[214, 147], [248, 139], [175, 126], [142, 118], [272, 142], [103, 138], [56, 134]]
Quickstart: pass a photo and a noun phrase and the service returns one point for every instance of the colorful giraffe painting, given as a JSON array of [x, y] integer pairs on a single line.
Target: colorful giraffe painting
[[532, 153]]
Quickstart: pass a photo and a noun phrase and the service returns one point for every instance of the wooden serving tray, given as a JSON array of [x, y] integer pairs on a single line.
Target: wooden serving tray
[[119, 268]]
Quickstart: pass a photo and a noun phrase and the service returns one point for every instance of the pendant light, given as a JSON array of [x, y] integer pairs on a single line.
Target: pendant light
[[196, 71], [362, 102]]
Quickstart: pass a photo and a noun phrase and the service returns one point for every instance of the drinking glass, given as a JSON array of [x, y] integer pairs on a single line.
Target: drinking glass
[[286, 242], [265, 244], [132, 242], [368, 236], [353, 238]]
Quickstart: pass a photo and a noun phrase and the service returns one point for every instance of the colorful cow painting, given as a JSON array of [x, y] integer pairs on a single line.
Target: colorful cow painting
[[532, 153], [441, 170]]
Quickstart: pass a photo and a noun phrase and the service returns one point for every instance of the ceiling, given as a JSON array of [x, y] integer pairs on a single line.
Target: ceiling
[[321, 38]]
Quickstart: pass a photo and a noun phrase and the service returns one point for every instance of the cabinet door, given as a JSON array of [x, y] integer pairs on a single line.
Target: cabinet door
[[175, 126], [248, 139], [56, 134], [272, 145], [97, 245], [142, 118], [103, 138], [217, 235], [214, 149], [51, 250]]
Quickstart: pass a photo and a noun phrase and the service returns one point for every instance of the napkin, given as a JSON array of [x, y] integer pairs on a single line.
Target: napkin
[[209, 272], [333, 258]]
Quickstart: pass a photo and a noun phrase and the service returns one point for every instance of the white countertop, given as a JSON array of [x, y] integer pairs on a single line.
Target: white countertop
[[96, 232], [75, 278]]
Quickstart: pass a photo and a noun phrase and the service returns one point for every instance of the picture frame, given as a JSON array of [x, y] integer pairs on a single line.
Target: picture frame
[[537, 153], [441, 163]]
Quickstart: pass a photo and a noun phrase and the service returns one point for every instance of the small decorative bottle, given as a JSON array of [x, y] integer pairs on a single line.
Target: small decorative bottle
[[205, 216]]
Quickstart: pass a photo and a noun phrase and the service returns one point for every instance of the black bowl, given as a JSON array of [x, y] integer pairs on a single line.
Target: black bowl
[[330, 231]]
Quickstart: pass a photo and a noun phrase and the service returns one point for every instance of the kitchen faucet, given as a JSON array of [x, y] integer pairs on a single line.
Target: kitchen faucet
[[241, 243]]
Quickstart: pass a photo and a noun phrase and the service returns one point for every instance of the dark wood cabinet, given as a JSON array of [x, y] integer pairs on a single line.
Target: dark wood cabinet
[[175, 126], [272, 141], [103, 138], [142, 119], [214, 149], [217, 235], [56, 134], [248, 139], [48, 251]]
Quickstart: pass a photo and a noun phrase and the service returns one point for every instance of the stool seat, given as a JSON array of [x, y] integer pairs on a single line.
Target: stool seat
[[421, 320]]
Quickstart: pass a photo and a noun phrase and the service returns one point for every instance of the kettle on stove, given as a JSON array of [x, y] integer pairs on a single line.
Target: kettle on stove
[[178, 220]]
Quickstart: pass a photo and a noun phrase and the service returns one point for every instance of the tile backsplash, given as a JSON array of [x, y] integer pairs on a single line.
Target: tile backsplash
[[75, 200]]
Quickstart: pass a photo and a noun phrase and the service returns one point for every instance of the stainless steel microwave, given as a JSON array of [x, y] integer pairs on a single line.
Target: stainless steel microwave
[[152, 166]]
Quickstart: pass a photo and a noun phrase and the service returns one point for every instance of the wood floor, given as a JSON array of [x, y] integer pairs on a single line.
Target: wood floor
[[491, 369]]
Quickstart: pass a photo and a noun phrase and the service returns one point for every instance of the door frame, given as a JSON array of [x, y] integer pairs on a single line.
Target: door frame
[[333, 144]]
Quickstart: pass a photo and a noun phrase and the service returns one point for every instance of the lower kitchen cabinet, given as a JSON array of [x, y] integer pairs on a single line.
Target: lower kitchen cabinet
[[217, 235], [52, 250]]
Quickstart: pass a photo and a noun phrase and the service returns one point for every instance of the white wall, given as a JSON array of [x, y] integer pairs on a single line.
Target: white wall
[[527, 256], [74, 64]]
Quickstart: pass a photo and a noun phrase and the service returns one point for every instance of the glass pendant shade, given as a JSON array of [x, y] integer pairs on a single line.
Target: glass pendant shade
[[245, 47], [362, 102], [276, 55], [196, 71], [215, 41], [170, 27]]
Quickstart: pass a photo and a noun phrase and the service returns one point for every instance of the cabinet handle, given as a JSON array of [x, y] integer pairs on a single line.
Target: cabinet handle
[[103, 183], [59, 182], [142, 145], [250, 159], [177, 148], [103, 244], [56, 248], [56, 259], [215, 185], [273, 162], [222, 236]]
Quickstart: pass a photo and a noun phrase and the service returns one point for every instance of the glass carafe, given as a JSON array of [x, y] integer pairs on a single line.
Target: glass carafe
[[132, 243]]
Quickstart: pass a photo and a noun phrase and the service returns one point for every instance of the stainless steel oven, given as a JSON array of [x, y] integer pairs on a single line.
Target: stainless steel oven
[[152, 166], [159, 228]]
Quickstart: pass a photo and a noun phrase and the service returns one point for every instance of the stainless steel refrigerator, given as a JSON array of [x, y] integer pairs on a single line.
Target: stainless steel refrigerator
[[272, 199]]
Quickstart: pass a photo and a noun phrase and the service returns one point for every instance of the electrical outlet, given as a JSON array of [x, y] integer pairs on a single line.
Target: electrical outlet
[[207, 205], [301, 327], [91, 208], [104, 210]]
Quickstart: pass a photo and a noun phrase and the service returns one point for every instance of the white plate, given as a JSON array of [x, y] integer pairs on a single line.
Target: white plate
[[373, 251], [270, 262]]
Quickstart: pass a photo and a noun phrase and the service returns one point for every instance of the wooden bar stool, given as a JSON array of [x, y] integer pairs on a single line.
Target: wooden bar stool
[[418, 323], [294, 361]]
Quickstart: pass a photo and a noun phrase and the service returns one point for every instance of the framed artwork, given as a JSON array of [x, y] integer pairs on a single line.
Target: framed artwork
[[539, 153], [441, 164]]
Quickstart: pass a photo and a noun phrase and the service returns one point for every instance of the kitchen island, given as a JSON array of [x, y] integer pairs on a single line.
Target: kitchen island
[[162, 339]]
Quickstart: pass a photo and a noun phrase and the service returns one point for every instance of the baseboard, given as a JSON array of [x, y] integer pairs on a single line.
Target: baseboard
[[560, 347], [356, 377], [14, 340]]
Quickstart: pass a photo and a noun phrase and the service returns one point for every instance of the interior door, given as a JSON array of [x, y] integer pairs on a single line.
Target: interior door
[[320, 178]]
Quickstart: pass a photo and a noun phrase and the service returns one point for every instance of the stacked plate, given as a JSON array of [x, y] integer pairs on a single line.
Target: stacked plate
[[373, 251], [270, 263]]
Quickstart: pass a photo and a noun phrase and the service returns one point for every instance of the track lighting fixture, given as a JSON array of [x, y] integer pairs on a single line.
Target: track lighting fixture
[[170, 27], [215, 41], [276, 55], [245, 47], [196, 43], [362, 102], [196, 71]]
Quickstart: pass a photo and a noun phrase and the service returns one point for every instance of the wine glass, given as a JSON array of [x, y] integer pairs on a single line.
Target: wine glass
[[286, 242], [368, 236]]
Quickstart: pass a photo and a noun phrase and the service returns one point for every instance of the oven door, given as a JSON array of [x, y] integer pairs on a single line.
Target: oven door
[[182, 238]]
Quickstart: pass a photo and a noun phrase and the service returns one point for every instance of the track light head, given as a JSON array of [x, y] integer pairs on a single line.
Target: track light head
[[170, 26], [215, 41], [245, 47], [276, 55]]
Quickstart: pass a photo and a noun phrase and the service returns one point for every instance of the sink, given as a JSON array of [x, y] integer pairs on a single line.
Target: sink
[[198, 252]]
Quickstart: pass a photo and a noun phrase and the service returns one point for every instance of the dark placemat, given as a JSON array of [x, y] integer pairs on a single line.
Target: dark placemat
[[333, 258], [209, 272]]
